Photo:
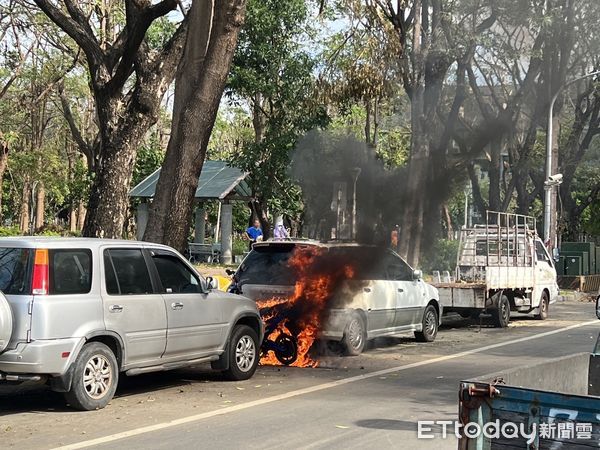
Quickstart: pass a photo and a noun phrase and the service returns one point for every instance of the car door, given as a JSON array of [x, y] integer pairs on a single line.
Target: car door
[[132, 306], [194, 316], [410, 293], [377, 295]]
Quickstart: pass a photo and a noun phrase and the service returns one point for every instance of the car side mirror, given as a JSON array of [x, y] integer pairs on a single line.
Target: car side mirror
[[598, 307], [229, 272], [212, 283], [417, 274]]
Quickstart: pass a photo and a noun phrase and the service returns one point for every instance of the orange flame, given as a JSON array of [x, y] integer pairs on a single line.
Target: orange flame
[[307, 306]]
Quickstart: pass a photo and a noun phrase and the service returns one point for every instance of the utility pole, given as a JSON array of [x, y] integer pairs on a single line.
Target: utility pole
[[553, 180]]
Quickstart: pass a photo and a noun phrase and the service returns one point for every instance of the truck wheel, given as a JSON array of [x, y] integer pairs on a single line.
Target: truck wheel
[[6, 322], [243, 354], [355, 336], [95, 378], [430, 325], [543, 310], [501, 314]]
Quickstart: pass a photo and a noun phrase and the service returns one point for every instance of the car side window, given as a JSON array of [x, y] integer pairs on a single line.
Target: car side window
[[70, 271], [126, 272], [397, 269], [175, 276]]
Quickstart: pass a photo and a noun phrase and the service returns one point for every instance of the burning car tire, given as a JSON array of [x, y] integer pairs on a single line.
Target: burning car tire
[[290, 354], [355, 336], [243, 354], [6, 323], [430, 325]]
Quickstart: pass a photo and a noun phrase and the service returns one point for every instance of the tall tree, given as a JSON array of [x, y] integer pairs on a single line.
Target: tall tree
[[209, 47], [128, 77], [273, 75]]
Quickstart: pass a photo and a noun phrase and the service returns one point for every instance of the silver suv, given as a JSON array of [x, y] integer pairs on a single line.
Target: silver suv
[[77, 312]]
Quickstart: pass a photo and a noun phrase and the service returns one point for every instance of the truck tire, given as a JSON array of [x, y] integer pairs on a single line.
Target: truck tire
[[501, 313], [243, 353], [543, 309], [430, 325], [95, 378], [355, 336], [6, 322]]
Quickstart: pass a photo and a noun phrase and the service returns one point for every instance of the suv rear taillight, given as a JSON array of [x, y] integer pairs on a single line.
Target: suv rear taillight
[[40, 273]]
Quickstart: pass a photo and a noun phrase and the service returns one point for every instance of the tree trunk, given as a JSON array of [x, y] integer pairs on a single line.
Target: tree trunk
[[25, 202], [3, 164], [494, 201], [72, 219], [448, 222], [199, 86], [40, 206], [81, 213]]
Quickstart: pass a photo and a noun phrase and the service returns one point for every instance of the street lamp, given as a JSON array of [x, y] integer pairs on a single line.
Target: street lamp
[[553, 180], [355, 172]]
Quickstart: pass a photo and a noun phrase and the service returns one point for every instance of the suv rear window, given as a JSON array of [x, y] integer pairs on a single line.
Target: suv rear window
[[70, 271], [15, 270]]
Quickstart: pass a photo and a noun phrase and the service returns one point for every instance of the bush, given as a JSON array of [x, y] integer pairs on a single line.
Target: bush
[[441, 256], [10, 231]]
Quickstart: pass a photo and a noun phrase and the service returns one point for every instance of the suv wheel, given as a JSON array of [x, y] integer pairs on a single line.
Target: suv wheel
[[355, 336], [430, 325], [243, 353], [95, 378]]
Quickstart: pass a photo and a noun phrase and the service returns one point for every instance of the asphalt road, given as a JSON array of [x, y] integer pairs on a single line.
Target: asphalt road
[[370, 401]]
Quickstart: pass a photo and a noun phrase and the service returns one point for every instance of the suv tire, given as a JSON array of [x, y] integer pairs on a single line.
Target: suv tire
[[95, 378], [243, 353], [430, 325], [6, 323], [355, 336]]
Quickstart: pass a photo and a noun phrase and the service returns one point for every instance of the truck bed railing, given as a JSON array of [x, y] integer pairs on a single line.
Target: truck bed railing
[[505, 240]]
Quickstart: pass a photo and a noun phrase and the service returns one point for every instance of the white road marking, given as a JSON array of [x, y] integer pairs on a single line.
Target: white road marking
[[308, 390]]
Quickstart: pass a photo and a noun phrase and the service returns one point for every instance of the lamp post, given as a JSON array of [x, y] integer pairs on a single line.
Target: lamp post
[[355, 172], [550, 183]]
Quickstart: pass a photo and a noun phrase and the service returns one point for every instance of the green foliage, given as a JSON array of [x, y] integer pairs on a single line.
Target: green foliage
[[160, 32], [149, 158], [441, 256], [9, 231], [273, 74]]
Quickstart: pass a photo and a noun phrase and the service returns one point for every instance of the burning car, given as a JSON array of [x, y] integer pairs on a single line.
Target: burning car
[[335, 291]]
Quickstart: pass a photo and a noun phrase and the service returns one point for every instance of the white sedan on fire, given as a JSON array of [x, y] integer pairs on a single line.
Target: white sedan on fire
[[373, 292]]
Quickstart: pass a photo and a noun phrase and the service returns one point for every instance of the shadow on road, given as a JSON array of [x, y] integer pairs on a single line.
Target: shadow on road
[[387, 424]]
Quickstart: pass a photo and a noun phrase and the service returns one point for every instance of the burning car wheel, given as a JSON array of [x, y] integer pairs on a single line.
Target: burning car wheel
[[355, 336], [243, 356], [287, 351]]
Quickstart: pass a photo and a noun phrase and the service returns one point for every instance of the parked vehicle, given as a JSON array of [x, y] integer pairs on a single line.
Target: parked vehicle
[[559, 399], [392, 297], [77, 312], [502, 266]]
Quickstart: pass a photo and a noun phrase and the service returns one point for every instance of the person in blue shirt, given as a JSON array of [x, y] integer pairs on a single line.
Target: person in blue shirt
[[254, 233]]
